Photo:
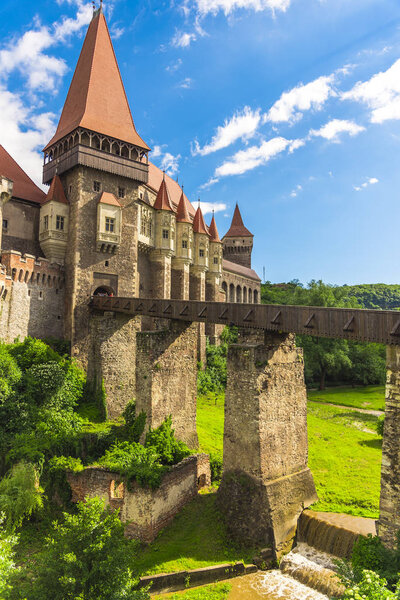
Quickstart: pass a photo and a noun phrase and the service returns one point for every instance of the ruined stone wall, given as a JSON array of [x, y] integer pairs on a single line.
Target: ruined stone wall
[[166, 378], [145, 511], [31, 297]]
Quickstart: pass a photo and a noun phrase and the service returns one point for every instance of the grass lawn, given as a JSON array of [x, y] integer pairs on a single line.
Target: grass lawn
[[195, 538], [215, 591], [370, 396], [344, 451]]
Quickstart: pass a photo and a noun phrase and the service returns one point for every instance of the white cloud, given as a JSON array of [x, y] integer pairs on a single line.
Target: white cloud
[[116, 32], [166, 161], [334, 128], [209, 207], [186, 83], [246, 160], [381, 94], [243, 125], [68, 26], [172, 68], [209, 183], [296, 190], [205, 7], [295, 144], [368, 182], [292, 104], [183, 39]]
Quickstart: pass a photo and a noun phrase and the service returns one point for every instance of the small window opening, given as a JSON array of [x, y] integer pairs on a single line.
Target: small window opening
[[215, 260], [117, 490], [41, 295], [201, 253], [106, 263], [60, 222], [165, 234], [96, 186], [184, 244], [46, 223], [5, 224], [121, 192], [110, 224]]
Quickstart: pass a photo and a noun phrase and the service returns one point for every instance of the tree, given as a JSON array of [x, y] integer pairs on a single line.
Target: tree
[[7, 565], [87, 558], [20, 494]]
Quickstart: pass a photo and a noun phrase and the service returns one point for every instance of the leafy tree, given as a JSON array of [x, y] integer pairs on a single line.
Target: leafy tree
[[87, 558], [7, 564], [20, 494], [135, 462], [163, 440]]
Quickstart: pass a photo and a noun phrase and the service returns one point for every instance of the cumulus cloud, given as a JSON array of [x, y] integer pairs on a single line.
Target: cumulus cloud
[[381, 94], [205, 7], [183, 39], [166, 161], [291, 105], [173, 67], [246, 160], [334, 128], [368, 182], [209, 207], [243, 125]]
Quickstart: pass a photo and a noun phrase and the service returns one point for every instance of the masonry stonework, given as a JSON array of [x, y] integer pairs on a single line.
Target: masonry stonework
[[266, 481]]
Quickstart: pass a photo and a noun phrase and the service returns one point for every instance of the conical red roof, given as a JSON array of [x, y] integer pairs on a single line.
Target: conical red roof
[[96, 98], [182, 213], [237, 228], [199, 225], [23, 186], [56, 191], [163, 201], [213, 231]]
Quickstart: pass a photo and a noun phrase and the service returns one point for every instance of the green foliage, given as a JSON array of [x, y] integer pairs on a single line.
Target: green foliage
[[86, 558], [216, 467], [215, 591], [371, 587], [20, 494], [62, 347], [7, 564], [135, 462], [380, 425], [32, 352], [170, 450], [134, 425], [65, 463], [213, 377]]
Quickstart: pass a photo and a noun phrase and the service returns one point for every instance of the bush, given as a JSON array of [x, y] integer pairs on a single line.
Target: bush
[[216, 467], [135, 462], [134, 425], [32, 352], [380, 425], [7, 565], [86, 558], [371, 587], [20, 494], [170, 450]]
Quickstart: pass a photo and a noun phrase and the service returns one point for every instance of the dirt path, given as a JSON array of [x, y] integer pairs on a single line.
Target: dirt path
[[367, 411]]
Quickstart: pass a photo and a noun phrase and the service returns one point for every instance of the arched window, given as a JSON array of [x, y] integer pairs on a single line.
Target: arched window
[[225, 289], [255, 296], [250, 296], [245, 294], [238, 293], [231, 293]]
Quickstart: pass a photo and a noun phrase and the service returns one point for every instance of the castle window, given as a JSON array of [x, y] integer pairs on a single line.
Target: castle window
[[5, 224], [149, 228], [106, 263], [96, 186], [201, 253], [46, 223], [143, 227], [184, 244], [60, 222], [165, 234], [141, 195], [121, 192], [215, 260], [110, 224]]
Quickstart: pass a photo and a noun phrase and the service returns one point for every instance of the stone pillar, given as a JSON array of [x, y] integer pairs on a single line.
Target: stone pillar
[[180, 279], [389, 507], [111, 359], [6, 189], [161, 274], [198, 292], [166, 382], [266, 482], [213, 282]]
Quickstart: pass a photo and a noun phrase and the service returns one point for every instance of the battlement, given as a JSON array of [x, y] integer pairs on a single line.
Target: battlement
[[29, 269]]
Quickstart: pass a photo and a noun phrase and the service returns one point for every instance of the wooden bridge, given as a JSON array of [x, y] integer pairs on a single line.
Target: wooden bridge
[[382, 326]]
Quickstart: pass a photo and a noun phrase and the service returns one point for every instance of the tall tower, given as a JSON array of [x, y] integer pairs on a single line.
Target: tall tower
[[238, 241], [101, 160]]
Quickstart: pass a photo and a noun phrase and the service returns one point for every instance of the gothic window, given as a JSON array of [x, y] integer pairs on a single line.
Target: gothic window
[[110, 224], [46, 223], [96, 186], [5, 224], [59, 222], [165, 234], [215, 260], [149, 228], [121, 192], [184, 244], [201, 253], [143, 227]]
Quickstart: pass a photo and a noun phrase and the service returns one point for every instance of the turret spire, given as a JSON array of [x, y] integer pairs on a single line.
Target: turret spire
[[182, 213], [237, 228], [199, 225], [163, 201], [213, 231]]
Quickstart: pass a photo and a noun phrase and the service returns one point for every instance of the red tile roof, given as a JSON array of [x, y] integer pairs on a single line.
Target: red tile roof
[[56, 191], [96, 98], [182, 213], [175, 191], [237, 228], [213, 231], [227, 265], [163, 201], [24, 187], [108, 198], [199, 225]]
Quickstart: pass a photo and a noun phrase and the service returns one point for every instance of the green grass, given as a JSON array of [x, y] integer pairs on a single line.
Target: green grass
[[215, 591], [344, 451], [371, 396], [195, 538]]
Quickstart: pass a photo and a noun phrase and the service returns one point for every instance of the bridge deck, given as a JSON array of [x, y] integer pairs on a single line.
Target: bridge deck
[[381, 326]]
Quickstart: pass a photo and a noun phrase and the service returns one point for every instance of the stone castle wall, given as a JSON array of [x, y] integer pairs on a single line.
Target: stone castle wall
[[31, 297]]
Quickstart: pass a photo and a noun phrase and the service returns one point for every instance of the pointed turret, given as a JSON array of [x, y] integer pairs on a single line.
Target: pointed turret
[[163, 200], [182, 213], [199, 225], [213, 231], [237, 228], [56, 192], [238, 241], [96, 99]]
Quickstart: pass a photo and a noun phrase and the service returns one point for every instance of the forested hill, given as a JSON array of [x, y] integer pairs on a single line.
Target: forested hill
[[372, 295]]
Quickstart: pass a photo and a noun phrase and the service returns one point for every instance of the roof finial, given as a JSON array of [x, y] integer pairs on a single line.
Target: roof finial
[[198, 202], [94, 6], [101, 5], [163, 175]]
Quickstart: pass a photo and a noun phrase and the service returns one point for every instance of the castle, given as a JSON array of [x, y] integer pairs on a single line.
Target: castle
[[111, 222]]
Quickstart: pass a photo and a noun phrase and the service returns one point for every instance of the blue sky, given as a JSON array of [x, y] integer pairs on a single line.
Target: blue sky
[[289, 107]]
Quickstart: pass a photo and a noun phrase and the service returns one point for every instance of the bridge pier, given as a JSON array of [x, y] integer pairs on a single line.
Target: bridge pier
[[166, 378], [266, 482], [389, 507]]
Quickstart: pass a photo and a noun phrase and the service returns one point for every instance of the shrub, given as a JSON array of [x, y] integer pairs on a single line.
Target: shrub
[[54, 385], [371, 587], [162, 439], [32, 352], [380, 425], [216, 467], [20, 494], [7, 565], [87, 558], [134, 425], [135, 462]]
